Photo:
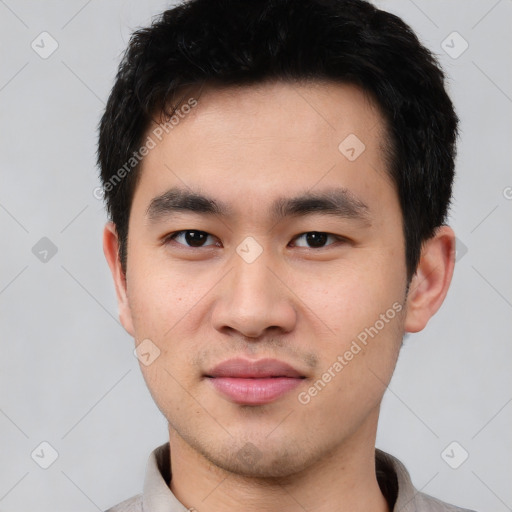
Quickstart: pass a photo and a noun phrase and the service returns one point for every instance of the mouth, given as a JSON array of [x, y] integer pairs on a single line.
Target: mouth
[[246, 382]]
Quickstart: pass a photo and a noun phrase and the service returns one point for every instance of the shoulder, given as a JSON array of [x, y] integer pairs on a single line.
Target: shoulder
[[133, 504], [427, 503], [395, 482]]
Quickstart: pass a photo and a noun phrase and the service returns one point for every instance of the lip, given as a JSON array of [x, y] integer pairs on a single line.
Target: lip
[[258, 382]]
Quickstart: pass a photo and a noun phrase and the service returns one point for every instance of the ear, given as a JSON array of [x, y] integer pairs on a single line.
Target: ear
[[431, 281], [111, 251]]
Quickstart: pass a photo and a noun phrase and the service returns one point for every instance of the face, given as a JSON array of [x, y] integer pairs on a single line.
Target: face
[[289, 272]]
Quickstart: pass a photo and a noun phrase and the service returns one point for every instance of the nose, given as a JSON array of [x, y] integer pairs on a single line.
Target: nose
[[254, 300]]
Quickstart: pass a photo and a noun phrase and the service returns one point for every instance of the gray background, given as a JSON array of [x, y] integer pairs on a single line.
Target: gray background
[[68, 375]]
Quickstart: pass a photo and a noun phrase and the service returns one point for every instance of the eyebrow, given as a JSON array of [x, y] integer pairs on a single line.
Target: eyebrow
[[338, 202]]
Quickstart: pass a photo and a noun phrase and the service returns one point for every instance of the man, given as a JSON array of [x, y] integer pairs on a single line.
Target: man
[[278, 175]]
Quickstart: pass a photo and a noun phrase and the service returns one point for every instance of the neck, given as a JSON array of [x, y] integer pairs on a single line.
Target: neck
[[345, 481]]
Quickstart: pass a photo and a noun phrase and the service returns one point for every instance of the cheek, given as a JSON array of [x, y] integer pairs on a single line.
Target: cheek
[[164, 310], [169, 306], [161, 297], [363, 309], [358, 362], [349, 298]]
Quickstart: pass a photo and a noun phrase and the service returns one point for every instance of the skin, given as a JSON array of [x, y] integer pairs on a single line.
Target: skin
[[300, 304]]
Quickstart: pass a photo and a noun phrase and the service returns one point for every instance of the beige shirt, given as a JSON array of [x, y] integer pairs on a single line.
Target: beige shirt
[[393, 478]]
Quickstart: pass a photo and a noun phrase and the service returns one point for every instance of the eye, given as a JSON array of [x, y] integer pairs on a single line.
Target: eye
[[194, 238], [316, 239], [189, 238]]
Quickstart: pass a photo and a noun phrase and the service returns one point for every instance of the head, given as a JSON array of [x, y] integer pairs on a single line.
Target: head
[[316, 137]]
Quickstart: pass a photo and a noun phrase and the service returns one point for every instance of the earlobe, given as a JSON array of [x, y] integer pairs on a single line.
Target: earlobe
[[431, 281], [111, 251]]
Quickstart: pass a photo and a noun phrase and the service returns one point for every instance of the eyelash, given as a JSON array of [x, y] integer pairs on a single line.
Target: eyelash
[[172, 236]]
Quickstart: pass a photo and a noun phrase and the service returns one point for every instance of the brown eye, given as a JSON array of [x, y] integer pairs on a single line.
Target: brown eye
[[190, 238], [315, 239]]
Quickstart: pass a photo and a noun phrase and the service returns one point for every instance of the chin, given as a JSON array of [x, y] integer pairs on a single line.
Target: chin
[[249, 461]]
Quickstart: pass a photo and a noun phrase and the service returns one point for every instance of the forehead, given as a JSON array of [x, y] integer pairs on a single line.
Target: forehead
[[315, 108], [261, 140]]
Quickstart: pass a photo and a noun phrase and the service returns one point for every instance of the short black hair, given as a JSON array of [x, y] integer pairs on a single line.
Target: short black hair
[[233, 42]]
